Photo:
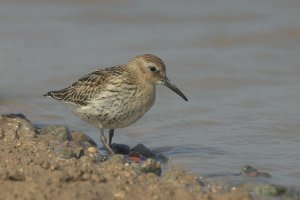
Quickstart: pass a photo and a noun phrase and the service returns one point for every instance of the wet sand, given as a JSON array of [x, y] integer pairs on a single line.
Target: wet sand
[[54, 163], [38, 165]]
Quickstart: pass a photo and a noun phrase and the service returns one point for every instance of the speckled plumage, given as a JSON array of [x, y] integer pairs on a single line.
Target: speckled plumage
[[118, 96]]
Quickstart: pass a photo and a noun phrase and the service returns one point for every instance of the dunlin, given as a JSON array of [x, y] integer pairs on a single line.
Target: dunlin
[[118, 96]]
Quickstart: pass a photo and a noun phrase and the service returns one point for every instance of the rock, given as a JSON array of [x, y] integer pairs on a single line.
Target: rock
[[270, 190], [249, 171], [144, 151], [135, 157], [59, 131], [16, 126], [82, 138], [151, 166], [121, 149]]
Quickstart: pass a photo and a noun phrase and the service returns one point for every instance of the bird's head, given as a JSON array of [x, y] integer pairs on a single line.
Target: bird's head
[[151, 69]]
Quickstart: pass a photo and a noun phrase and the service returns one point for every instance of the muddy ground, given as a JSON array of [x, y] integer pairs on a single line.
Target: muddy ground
[[52, 163]]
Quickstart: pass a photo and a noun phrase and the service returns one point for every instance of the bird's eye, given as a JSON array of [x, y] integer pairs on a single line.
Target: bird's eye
[[153, 69]]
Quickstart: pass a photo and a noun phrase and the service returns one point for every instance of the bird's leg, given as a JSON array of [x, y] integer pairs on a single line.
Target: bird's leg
[[104, 142], [111, 135]]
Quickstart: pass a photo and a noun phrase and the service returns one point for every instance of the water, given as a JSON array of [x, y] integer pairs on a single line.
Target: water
[[237, 62]]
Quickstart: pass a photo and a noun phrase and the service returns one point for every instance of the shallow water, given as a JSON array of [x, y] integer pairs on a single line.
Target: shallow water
[[237, 62]]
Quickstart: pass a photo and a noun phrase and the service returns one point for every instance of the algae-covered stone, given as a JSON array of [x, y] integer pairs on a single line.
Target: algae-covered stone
[[98, 158], [57, 131], [270, 190], [249, 171]]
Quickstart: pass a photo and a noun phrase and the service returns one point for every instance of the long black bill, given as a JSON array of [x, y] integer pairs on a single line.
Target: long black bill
[[166, 82]]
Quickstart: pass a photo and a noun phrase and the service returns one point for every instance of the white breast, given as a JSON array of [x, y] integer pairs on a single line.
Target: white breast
[[117, 109]]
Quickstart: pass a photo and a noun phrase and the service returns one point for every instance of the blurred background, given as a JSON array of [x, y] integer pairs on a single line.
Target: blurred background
[[238, 62]]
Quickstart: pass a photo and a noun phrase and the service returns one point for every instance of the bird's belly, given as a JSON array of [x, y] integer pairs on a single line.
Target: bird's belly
[[112, 113]]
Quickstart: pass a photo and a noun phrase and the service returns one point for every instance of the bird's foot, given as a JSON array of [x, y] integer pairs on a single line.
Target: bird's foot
[[106, 146]]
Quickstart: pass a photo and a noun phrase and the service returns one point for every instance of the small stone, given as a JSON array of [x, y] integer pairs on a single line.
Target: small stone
[[56, 131], [92, 150], [97, 157], [151, 166], [144, 151]]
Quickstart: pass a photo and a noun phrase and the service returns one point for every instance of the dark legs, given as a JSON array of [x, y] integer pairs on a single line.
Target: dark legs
[[104, 142], [111, 135]]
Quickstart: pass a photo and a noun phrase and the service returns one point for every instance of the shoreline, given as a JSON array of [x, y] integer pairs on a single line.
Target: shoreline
[[54, 163]]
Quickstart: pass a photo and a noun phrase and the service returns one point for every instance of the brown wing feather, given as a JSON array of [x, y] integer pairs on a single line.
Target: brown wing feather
[[86, 87]]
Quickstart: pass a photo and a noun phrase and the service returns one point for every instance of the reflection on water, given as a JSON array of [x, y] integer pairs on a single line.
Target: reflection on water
[[237, 62]]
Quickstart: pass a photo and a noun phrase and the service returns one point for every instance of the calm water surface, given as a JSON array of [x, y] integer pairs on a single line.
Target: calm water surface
[[237, 61]]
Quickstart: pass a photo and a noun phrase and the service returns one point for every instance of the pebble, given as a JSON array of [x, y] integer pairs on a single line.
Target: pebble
[[92, 150], [151, 166]]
